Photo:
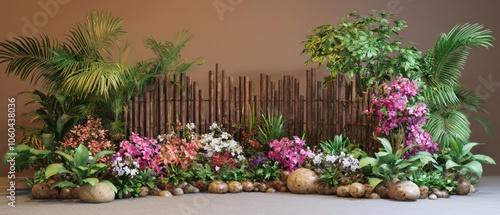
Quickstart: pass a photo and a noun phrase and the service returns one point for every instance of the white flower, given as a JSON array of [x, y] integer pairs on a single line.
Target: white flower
[[217, 168], [317, 159], [118, 159]]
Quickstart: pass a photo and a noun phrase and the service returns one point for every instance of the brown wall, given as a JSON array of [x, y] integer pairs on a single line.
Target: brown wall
[[257, 36]]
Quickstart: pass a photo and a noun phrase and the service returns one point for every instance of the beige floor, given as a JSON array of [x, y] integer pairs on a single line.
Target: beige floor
[[485, 201]]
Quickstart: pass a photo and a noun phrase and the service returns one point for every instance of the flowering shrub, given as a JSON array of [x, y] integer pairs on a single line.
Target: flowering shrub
[[289, 153], [145, 151], [92, 135], [261, 168], [336, 170], [180, 151], [128, 177], [399, 111], [221, 149]]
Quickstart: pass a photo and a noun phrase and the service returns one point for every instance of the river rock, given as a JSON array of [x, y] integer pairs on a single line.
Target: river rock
[[235, 187], [463, 187], [165, 193], [178, 192], [247, 186], [98, 193], [144, 191], [424, 192], [403, 191], [217, 187], [302, 181]]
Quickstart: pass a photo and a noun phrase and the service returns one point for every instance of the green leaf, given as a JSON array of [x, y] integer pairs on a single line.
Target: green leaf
[[467, 147], [63, 184], [450, 164], [54, 169], [91, 181], [367, 161], [374, 181], [484, 159], [68, 158], [475, 167], [61, 122], [101, 154], [387, 145], [81, 155], [111, 185]]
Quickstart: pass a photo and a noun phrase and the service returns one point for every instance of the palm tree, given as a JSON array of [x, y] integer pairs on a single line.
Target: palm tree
[[447, 99], [91, 66]]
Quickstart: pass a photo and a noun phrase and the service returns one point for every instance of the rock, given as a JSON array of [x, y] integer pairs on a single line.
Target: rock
[[190, 189], [284, 176], [445, 193], [374, 196], [235, 187], [302, 181], [40, 191], [75, 192], [181, 184], [247, 186], [329, 190], [381, 190], [155, 191], [432, 197], [165, 193], [277, 184], [65, 193], [320, 189], [54, 192], [217, 187], [269, 184], [403, 191], [437, 193], [424, 192], [144, 191], [283, 189], [271, 190], [472, 189], [368, 190], [357, 190], [343, 191], [463, 187], [178, 192], [98, 193], [170, 187], [262, 187], [202, 185]]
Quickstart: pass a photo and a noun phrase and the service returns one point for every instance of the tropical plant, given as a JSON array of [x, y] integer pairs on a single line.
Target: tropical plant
[[458, 159], [271, 127], [340, 144], [85, 168], [30, 158], [125, 177], [389, 164], [336, 169], [368, 48], [449, 100], [91, 65]]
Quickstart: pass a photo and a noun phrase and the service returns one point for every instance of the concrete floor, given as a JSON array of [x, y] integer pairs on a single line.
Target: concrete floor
[[485, 201]]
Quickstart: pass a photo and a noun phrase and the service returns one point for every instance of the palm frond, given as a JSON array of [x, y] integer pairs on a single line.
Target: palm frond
[[28, 57], [469, 99], [453, 123]]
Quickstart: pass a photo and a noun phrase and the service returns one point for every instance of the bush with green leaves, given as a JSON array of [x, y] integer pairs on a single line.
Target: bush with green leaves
[[367, 48], [434, 179], [271, 127], [389, 163], [84, 168], [261, 168], [458, 159]]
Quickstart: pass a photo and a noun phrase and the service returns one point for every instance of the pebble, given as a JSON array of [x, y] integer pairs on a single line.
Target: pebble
[[433, 197], [165, 193], [374, 196], [178, 192], [271, 190]]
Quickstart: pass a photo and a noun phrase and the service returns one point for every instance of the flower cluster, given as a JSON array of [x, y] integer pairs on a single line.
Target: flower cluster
[[346, 162], [398, 111], [221, 148], [125, 167], [289, 153], [180, 151], [145, 151], [92, 135], [258, 160]]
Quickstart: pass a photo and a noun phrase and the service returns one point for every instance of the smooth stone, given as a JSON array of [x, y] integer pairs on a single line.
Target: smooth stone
[[165, 193], [247, 186], [98, 193], [235, 187], [374, 196], [424, 192], [271, 190], [190, 189], [302, 181], [155, 191], [217, 187], [472, 189], [433, 197], [404, 191], [463, 187], [178, 192], [144, 191]]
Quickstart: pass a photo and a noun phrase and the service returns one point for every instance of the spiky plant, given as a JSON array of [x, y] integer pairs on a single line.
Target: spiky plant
[[448, 100]]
